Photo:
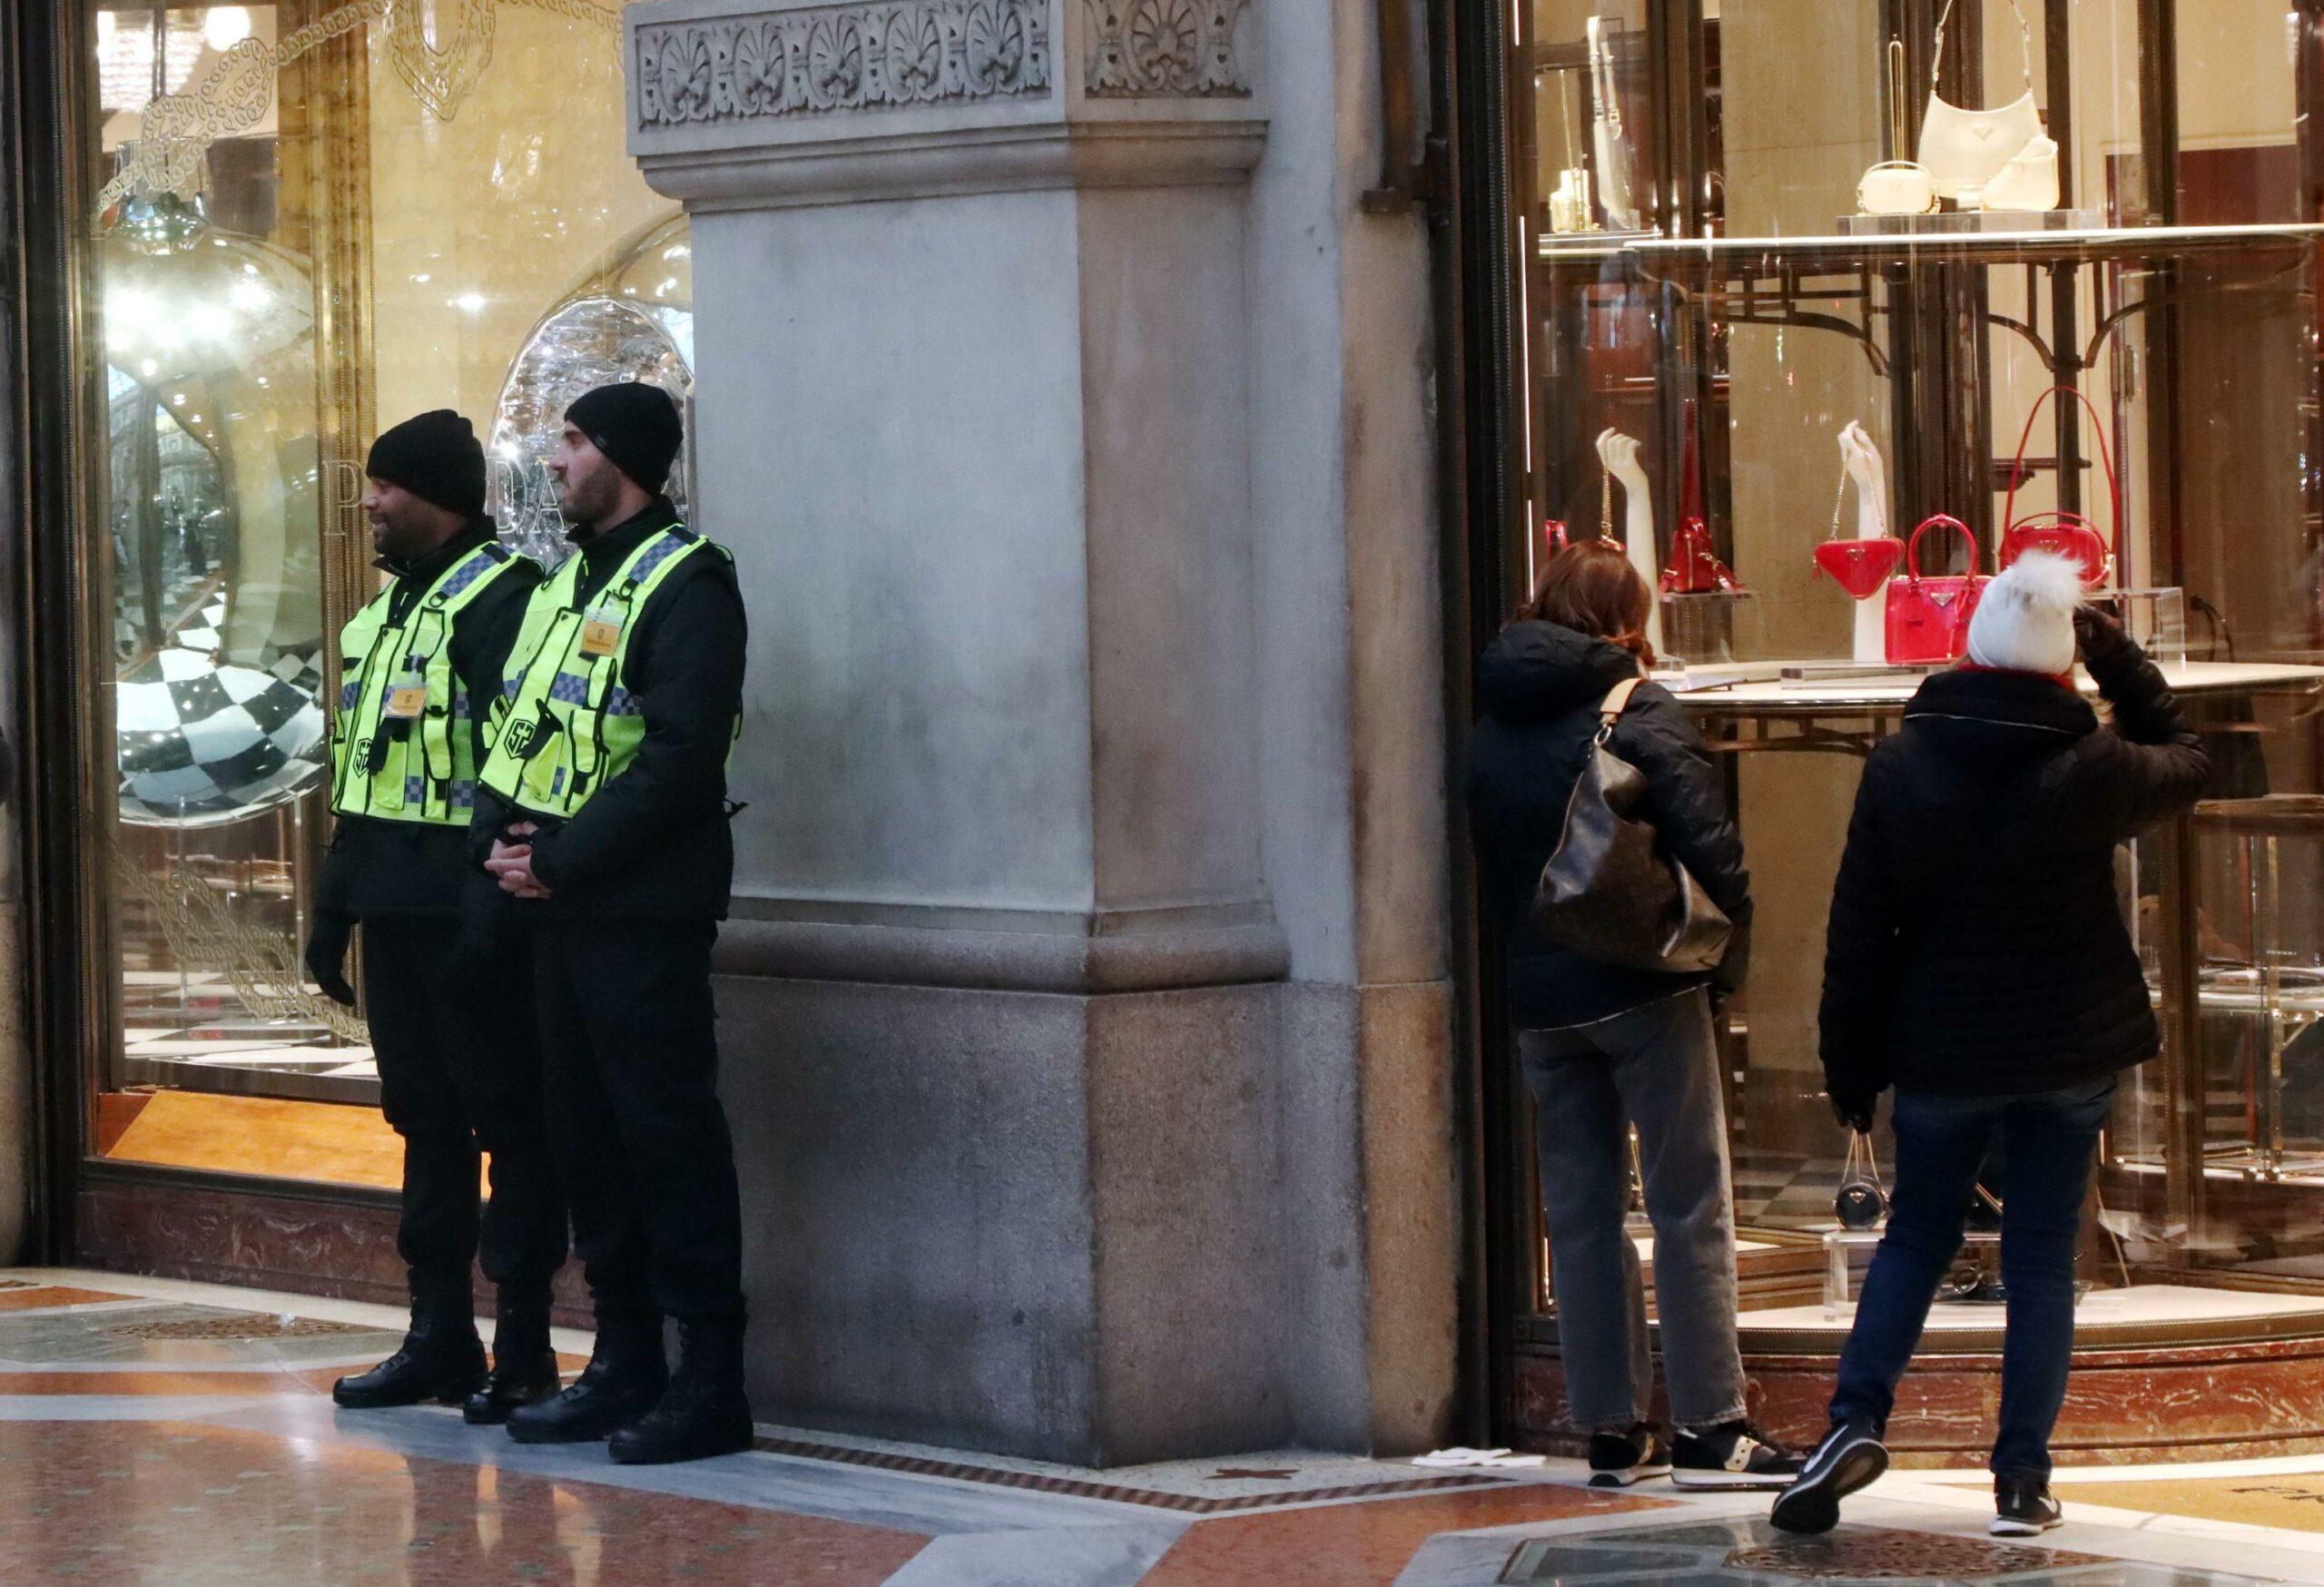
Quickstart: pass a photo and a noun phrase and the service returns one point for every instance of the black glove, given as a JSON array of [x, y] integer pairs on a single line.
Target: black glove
[[2097, 632], [1855, 1110], [327, 956], [485, 913]]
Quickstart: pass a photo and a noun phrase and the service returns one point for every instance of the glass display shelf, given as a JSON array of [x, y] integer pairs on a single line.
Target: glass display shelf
[[1873, 249]]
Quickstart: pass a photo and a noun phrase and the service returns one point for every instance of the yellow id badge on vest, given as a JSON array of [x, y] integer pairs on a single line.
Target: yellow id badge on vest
[[406, 698], [600, 632]]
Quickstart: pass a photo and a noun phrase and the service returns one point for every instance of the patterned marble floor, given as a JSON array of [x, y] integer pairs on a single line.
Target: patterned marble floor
[[156, 1433]]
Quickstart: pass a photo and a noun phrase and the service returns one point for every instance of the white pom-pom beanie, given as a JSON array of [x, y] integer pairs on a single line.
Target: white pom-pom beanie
[[2025, 619]]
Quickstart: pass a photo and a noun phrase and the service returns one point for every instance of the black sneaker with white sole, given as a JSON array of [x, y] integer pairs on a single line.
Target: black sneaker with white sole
[[1618, 1459], [1849, 1458], [2022, 1507], [1733, 1454]]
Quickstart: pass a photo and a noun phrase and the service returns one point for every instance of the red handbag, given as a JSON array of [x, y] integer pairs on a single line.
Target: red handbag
[[1693, 567], [1858, 566], [1929, 619], [2067, 533]]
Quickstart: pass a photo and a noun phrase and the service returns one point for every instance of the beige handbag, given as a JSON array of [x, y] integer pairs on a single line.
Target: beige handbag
[[1896, 187], [2028, 181], [1963, 150]]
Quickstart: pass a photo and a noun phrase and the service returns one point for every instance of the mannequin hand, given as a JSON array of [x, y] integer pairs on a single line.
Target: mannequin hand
[[327, 957], [1862, 457], [1620, 455]]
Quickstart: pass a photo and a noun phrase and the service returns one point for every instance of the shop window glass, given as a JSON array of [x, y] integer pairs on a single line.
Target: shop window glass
[[316, 220], [1730, 311]]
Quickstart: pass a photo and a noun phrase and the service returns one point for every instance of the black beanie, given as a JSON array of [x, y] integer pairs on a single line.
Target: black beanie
[[635, 425], [436, 457]]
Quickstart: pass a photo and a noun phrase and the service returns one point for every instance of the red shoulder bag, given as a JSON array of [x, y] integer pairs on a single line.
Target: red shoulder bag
[[2067, 533]]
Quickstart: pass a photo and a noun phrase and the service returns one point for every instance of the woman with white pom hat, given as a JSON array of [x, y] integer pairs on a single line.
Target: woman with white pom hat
[[1979, 962]]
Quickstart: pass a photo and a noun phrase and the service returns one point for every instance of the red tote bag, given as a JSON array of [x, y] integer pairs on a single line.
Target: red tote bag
[[1929, 619], [2068, 534]]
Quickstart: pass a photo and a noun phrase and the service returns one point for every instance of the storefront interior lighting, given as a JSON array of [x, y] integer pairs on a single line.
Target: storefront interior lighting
[[125, 74], [224, 26]]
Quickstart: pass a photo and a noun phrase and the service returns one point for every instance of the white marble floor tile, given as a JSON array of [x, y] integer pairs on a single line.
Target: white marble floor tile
[[1091, 1556], [907, 1503]]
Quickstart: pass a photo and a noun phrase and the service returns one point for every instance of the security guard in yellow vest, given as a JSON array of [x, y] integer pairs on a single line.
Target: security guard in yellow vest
[[602, 807], [450, 1019]]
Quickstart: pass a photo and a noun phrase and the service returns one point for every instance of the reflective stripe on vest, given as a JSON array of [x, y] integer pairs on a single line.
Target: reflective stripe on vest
[[566, 725], [419, 764]]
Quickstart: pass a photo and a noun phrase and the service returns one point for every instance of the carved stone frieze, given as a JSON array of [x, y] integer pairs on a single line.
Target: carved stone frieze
[[886, 53], [1166, 49]]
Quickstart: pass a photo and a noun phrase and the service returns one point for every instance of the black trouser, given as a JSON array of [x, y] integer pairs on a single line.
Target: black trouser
[[459, 1073], [629, 1038]]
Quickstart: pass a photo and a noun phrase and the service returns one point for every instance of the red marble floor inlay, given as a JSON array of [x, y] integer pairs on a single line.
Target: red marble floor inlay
[[149, 1384], [39, 1296], [1359, 1546], [107, 1503]]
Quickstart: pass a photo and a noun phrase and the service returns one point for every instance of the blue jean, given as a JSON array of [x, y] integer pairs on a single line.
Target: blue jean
[[1656, 1069], [2049, 1140]]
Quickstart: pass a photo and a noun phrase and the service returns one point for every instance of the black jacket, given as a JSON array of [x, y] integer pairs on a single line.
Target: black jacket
[[409, 867], [653, 840], [1977, 943], [1539, 686]]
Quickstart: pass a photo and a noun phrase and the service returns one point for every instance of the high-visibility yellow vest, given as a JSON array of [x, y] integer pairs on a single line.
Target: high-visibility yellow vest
[[564, 726], [402, 745]]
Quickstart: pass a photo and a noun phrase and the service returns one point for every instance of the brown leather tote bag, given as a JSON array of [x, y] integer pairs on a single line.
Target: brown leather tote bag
[[1612, 892]]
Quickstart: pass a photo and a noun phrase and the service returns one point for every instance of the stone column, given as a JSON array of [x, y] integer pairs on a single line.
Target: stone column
[[1003, 1000]]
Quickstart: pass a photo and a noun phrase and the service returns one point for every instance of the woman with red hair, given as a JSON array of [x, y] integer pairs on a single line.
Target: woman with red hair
[[1606, 1050]]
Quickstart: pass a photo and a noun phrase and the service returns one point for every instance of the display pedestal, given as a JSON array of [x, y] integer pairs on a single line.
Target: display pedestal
[[1969, 223], [1848, 1251], [1709, 628]]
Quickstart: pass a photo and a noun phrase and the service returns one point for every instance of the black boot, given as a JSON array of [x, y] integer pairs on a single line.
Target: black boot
[[704, 1413], [442, 1359], [524, 1363], [626, 1376]]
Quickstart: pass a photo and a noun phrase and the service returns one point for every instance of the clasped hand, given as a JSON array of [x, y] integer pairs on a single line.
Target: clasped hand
[[511, 863]]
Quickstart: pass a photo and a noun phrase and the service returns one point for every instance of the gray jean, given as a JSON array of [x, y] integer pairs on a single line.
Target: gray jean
[[1656, 1068]]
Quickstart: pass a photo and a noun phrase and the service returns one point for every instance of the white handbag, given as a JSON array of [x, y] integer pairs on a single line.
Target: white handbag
[[1570, 202], [1963, 150], [1896, 187], [1606, 136], [2028, 181], [1569, 207]]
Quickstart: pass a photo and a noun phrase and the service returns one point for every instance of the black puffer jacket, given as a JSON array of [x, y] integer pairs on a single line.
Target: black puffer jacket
[[1539, 686], [1977, 943]]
